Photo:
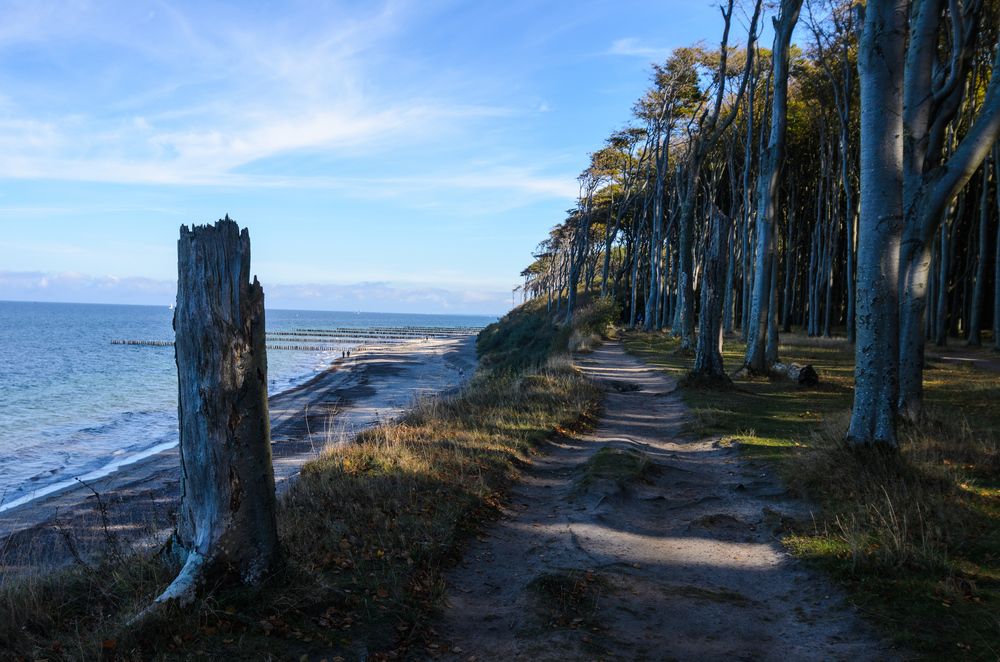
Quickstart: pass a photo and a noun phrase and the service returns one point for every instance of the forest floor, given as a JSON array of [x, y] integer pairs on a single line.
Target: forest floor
[[975, 356], [637, 542]]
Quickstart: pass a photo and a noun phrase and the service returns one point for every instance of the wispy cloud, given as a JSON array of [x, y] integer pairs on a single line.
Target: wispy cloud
[[634, 47], [70, 286], [182, 99], [385, 296]]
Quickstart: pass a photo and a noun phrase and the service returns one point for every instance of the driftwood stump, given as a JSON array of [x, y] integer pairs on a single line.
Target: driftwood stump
[[226, 525]]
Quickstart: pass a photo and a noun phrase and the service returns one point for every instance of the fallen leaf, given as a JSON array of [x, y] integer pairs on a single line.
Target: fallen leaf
[[109, 644]]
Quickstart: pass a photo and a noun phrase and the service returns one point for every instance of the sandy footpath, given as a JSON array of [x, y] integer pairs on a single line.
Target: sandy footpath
[[140, 498], [685, 567]]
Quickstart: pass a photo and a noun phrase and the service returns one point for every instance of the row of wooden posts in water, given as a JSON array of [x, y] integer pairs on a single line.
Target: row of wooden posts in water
[[375, 335]]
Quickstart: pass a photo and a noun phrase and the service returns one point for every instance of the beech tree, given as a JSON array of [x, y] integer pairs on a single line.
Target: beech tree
[[710, 131], [934, 94], [878, 223], [876, 375], [765, 276]]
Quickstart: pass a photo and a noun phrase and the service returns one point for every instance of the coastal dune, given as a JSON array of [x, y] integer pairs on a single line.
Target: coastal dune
[[135, 504]]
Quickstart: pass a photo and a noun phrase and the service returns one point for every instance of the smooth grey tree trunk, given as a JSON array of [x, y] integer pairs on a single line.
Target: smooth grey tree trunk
[[708, 356], [931, 183], [996, 262], [979, 293], [876, 376], [767, 187], [711, 131], [791, 262], [226, 522], [771, 352], [943, 286]]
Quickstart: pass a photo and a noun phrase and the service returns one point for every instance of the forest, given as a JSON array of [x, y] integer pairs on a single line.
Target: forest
[[841, 185]]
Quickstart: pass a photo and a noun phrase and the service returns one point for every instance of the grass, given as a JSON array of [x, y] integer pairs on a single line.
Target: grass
[[369, 530], [570, 598], [913, 537], [623, 466]]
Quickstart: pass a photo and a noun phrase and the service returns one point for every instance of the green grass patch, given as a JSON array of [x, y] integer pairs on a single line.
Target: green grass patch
[[623, 466], [913, 536]]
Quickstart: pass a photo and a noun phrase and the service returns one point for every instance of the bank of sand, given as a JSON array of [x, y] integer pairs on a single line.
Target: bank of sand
[[139, 499]]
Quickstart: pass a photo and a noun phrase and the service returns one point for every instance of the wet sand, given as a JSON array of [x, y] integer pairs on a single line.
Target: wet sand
[[135, 504]]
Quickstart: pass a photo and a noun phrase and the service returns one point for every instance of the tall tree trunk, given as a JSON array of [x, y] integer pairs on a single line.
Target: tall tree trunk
[[791, 261], [771, 352], [931, 182], [635, 280], [979, 294], [708, 356], [226, 524], [996, 260], [710, 132], [814, 257], [834, 243], [767, 186], [876, 375], [944, 270]]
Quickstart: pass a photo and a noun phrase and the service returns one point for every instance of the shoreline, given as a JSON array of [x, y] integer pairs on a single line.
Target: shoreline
[[137, 499]]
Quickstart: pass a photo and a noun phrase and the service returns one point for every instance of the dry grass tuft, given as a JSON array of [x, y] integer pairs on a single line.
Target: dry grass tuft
[[580, 341], [570, 599], [892, 510]]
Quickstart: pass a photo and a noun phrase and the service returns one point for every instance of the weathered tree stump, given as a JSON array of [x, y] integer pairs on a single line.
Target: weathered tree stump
[[226, 526]]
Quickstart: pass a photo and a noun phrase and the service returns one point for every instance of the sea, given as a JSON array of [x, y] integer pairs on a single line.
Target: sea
[[73, 405]]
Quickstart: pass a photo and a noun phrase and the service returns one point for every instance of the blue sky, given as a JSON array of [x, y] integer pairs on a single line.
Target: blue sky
[[395, 156]]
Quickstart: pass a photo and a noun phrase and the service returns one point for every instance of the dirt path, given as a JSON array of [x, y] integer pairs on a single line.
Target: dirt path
[[681, 568], [977, 356]]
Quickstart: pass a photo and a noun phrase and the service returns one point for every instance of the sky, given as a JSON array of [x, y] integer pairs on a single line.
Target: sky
[[396, 156]]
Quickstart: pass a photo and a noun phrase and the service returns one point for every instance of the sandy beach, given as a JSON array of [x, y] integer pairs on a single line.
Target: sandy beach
[[139, 499]]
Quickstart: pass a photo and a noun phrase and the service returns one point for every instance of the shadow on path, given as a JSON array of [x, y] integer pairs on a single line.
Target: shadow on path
[[682, 566]]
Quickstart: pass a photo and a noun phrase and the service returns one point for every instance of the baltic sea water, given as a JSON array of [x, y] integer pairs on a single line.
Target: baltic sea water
[[72, 404]]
